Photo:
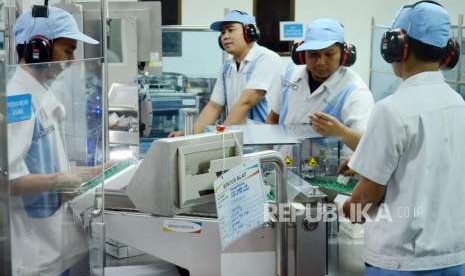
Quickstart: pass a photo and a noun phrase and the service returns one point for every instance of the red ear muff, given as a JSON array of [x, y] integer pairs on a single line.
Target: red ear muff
[[348, 54], [297, 57], [38, 50], [394, 46], [451, 56]]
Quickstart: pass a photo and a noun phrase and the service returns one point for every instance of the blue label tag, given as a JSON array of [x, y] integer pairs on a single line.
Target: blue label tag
[[18, 108], [293, 30], [290, 30]]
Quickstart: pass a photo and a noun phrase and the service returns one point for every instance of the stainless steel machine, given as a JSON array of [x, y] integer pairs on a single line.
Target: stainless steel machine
[[123, 110], [177, 220], [133, 37], [169, 97]]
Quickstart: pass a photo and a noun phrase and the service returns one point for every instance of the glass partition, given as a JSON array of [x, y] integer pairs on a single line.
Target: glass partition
[[193, 52], [55, 153], [192, 61], [115, 41], [378, 64], [383, 82], [462, 60], [461, 68]]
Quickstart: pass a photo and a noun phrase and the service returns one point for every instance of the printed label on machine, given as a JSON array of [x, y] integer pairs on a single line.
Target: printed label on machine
[[188, 102], [240, 200], [182, 226]]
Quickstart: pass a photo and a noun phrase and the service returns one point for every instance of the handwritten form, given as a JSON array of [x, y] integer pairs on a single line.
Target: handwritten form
[[240, 201]]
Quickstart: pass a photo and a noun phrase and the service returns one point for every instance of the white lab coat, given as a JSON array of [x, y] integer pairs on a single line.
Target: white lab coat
[[414, 145], [260, 70], [44, 241], [343, 95]]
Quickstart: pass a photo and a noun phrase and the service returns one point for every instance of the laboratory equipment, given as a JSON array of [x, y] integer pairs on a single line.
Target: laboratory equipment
[[202, 87], [172, 189], [165, 83], [134, 37], [303, 149], [169, 99], [123, 110], [189, 114]]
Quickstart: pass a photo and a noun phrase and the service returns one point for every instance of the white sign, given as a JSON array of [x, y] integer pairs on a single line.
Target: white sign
[[290, 31], [240, 200]]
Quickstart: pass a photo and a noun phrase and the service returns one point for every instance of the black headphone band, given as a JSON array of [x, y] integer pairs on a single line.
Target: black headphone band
[[251, 32], [38, 48], [240, 12], [423, 1], [348, 54]]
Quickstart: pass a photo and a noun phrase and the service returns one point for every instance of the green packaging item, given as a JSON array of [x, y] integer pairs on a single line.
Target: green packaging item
[[330, 184], [109, 172]]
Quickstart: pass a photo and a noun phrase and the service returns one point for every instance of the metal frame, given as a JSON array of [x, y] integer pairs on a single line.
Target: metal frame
[[201, 28], [281, 198], [461, 30], [5, 236], [371, 47], [97, 227], [9, 57]]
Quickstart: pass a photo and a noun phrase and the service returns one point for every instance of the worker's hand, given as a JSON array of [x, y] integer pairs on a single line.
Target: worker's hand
[[353, 216], [68, 195], [176, 134], [66, 182], [327, 125], [344, 168], [87, 173]]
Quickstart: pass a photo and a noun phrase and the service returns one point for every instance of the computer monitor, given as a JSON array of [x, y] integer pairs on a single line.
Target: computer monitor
[[177, 174]]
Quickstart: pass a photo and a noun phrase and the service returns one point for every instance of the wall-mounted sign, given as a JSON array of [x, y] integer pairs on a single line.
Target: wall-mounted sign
[[290, 30]]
